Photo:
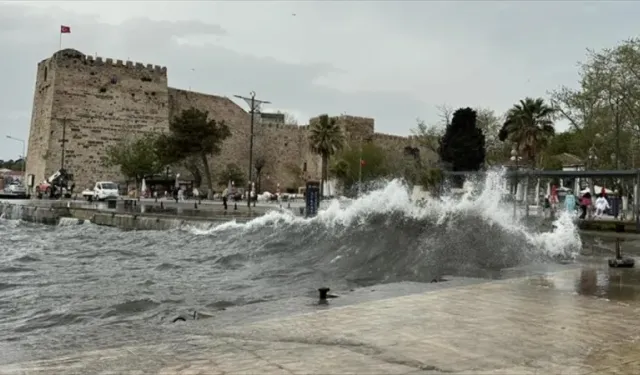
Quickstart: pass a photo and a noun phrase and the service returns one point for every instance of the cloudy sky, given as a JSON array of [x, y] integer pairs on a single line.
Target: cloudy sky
[[391, 60]]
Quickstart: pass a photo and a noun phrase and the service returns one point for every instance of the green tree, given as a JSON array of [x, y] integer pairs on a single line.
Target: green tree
[[295, 170], [232, 173], [326, 139], [490, 123], [428, 136], [529, 126], [259, 164], [193, 133], [431, 180], [463, 146], [170, 154], [607, 102], [14, 165], [347, 167], [137, 158]]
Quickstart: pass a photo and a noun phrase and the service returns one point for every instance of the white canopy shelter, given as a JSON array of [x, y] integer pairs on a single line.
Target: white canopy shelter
[[598, 190]]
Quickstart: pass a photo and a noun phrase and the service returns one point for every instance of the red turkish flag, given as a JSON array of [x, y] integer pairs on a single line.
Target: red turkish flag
[[362, 163], [65, 29]]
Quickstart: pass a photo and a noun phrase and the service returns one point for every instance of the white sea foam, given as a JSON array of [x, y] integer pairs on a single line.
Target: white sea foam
[[482, 200]]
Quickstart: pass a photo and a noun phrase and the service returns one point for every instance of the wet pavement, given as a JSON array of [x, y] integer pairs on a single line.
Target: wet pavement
[[582, 320]]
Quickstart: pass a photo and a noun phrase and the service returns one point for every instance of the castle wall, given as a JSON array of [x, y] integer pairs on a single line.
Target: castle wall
[[39, 134], [287, 154], [283, 147], [236, 148], [100, 101], [395, 145], [354, 128]]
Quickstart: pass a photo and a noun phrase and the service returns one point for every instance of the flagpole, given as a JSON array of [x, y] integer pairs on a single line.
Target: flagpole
[[60, 42]]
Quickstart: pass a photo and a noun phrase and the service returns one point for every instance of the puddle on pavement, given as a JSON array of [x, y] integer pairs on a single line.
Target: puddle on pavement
[[614, 284], [610, 283]]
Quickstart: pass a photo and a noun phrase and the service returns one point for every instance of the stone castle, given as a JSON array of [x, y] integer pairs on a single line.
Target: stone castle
[[98, 101]]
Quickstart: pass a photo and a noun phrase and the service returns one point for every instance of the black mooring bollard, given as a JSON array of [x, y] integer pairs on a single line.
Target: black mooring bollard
[[195, 205], [619, 261], [235, 206], [323, 294], [161, 205]]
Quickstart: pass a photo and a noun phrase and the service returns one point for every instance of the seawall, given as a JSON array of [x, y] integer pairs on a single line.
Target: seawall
[[34, 214], [69, 215], [127, 221]]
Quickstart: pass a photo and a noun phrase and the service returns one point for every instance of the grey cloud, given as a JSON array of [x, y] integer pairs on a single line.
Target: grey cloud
[[462, 53], [216, 70], [142, 31]]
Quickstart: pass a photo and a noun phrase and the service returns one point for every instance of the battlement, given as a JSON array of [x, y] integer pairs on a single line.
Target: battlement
[[286, 127], [349, 118], [393, 137], [75, 55]]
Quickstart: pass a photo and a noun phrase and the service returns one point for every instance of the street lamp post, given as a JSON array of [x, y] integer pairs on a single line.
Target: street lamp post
[[254, 105], [24, 155], [514, 157], [593, 158]]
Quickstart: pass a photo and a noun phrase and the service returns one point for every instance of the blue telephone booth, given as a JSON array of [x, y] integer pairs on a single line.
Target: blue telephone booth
[[312, 198]]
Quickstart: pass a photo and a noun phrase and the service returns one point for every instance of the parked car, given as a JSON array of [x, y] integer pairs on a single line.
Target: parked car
[[102, 190], [16, 188]]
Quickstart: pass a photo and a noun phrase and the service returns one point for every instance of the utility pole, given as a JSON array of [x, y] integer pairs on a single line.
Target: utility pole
[[618, 133], [254, 105], [360, 170], [515, 157], [63, 141]]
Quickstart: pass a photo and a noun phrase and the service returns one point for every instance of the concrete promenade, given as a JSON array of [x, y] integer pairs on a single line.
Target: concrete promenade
[[576, 322]]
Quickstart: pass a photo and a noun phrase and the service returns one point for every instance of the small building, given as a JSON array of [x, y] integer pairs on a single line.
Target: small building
[[570, 162]]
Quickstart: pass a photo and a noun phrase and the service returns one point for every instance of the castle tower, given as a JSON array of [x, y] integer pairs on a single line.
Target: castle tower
[[96, 102]]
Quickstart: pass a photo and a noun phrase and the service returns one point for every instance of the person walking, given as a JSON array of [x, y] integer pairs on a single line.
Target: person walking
[[585, 204], [601, 205], [570, 202]]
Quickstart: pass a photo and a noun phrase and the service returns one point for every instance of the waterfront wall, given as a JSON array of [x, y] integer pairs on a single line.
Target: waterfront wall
[[111, 218], [33, 214]]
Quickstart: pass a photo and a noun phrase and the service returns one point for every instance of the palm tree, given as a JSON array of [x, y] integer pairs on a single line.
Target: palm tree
[[326, 139], [529, 125]]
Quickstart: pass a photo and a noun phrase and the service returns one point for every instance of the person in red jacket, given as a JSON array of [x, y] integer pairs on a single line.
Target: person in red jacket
[[585, 204]]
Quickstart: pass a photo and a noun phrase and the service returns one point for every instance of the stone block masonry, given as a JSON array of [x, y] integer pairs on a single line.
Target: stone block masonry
[[99, 101]]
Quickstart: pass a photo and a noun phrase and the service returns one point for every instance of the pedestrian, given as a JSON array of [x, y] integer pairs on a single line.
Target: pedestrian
[[601, 205], [585, 204], [570, 202]]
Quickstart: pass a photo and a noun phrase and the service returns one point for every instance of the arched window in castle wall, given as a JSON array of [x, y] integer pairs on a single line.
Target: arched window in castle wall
[[304, 167], [45, 73]]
